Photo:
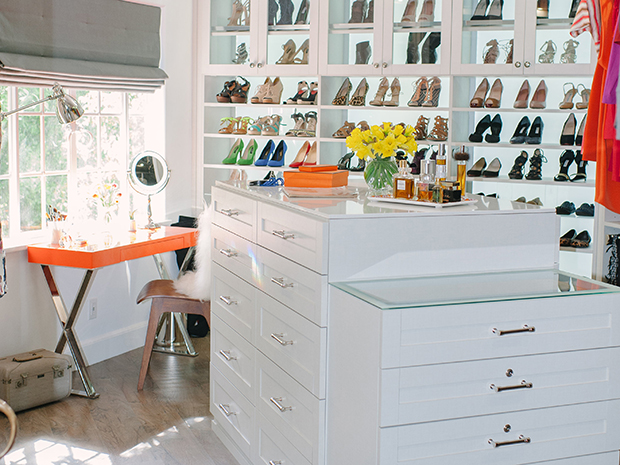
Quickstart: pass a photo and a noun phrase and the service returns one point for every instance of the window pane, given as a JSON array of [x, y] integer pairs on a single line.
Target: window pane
[[111, 102], [30, 203], [28, 95], [136, 135], [4, 207], [86, 142], [137, 103], [4, 148], [89, 99], [57, 192], [111, 147], [29, 144], [56, 150]]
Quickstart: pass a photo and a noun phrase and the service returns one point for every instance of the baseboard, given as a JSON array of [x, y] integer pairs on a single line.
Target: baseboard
[[100, 348], [229, 443]]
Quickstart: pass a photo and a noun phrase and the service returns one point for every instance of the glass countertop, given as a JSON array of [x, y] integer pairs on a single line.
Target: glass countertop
[[472, 288]]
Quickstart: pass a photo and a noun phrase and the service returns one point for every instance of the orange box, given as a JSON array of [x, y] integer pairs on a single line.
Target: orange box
[[316, 179], [310, 168]]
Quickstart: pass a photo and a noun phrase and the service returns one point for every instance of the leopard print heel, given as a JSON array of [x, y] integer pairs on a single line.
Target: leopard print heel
[[359, 96]]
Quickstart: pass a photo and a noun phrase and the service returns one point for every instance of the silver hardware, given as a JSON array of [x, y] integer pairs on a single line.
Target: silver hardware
[[276, 401], [522, 440], [228, 252], [260, 65], [227, 356], [509, 372], [525, 329], [507, 428], [527, 64], [282, 234], [376, 65], [58, 372], [281, 341], [252, 65], [385, 65], [524, 385], [227, 300], [226, 409], [280, 282], [277, 462], [518, 64], [229, 212]]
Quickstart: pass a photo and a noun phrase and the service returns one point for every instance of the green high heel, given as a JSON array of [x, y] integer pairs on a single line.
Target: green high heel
[[248, 156], [235, 150]]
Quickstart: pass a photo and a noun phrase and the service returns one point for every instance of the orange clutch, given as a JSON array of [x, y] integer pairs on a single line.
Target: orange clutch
[[316, 179]]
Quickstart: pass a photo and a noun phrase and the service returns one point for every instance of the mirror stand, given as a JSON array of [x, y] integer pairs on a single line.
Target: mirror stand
[[149, 215]]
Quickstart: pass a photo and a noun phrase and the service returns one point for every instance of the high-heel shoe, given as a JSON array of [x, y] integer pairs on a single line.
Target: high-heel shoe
[[536, 161], [344, 131], [345, 162], [481, 128], [312, 97], [395, 94], [421, 128], [261, 91], [370, 14], [566, 159], [234, 153], [539, 99], [224, 95], [256, 128], [272, 12], [492, 171], [573, 9], [418, 97], [548, 50], [523, 95], [311, 157], [579, 136], [585, 97], [381, 91], [240, 92], [237, 11], [432, 93], [301, 155], [300, 125], [581, 168], [534, 137], [228, 125], [274, 93], [310, 129], [480, 13], [358, 11], [272, 126], [570, 52], [517, 168], [496, 128], [480, 95], [288, 55], [568, 130], [569, 95], [429, 48], [286, 12], [342, 97], [542, 9], [476, 170], [302, 87], [494, 100], [409, 13], [520, 133], [304, 49], [491, 52], [302, 14], [242, 125], [265, 154], [248, 156], [358, 99], [439, 133], [278, 155], [241, 55], [428, 11], [363, 50], [496, 10], [413, 47]]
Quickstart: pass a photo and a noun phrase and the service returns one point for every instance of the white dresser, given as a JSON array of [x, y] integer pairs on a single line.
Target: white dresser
[[340, 336]]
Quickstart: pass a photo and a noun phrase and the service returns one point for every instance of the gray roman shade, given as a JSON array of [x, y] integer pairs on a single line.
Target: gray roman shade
[[93, 44]]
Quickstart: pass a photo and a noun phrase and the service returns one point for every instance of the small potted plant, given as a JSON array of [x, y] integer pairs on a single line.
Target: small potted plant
[[132, 221]]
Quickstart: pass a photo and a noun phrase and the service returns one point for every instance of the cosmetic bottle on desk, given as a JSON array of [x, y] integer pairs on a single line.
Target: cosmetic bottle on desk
[[403, 182], [426, 181], [441, 170]]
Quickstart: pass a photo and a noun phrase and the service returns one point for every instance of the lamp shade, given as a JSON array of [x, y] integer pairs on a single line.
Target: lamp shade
[[68, 109]]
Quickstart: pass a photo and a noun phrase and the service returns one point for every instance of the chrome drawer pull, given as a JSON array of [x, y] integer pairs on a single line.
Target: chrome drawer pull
[[522, 440], [227, 300], [283, 235], [229, 212], [525, 329], [276, 401], [228, 252], [278, 337], [524, 385], [277, 462], [225, 408], [227, 356], [280, 282]]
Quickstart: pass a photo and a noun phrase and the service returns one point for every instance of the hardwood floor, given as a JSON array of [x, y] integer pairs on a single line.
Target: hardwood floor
[[168, 423]]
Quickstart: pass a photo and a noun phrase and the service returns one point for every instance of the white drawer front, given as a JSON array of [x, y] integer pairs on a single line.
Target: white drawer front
[[303, 290], [451, 333], [232, 411], [553, 433], [234, 357], [297, 237], [273, 448], [456, 390], [235, 213], [233, 253], [234, 301], [295, 344], [297, 414], [609, 458]]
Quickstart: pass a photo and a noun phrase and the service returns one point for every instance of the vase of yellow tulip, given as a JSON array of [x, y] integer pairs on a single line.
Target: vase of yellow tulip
[[378, 146]]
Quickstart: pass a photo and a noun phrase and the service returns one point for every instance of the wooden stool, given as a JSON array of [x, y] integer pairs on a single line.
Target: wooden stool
[[165, 300]]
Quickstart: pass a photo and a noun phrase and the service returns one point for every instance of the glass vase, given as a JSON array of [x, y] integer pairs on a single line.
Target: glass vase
[[378, 175]]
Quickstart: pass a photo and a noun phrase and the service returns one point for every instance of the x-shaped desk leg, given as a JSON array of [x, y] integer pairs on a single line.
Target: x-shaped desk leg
[[67, 321]]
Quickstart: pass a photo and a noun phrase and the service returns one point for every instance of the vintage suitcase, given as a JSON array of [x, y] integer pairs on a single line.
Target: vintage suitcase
[[35, 378]]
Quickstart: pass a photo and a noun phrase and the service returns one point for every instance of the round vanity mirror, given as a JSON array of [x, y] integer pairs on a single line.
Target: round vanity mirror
[[148, 175]]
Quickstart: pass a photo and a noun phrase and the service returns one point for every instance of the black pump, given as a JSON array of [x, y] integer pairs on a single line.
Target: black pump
[[286, 12], [535, 172], [302, 14], [413, 47], [517, 169], [566, 159], [477, 169], [481, 127], [535, 134], [520, 133], [272, 12], [496, 128], [581, 168]]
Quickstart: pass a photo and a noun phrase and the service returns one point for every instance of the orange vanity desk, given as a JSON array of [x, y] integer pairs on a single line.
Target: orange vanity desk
[[143, 243]]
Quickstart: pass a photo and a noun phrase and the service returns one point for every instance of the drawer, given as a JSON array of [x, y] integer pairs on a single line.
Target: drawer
[[294, 236], [234, 357], [296, 414], [303, 290], [295, 344], [233, 253], [235, 213], [454, 390], [609, 458], [274, 448], [452, 333], [232, 411], [537, 435], [234, 301]]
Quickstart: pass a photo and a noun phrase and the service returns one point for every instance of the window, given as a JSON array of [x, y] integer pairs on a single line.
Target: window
[[45, 163]]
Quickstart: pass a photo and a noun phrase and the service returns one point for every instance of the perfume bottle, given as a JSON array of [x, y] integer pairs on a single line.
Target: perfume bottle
[[441, 170], [426, 181], [403, 182], [461, 157]]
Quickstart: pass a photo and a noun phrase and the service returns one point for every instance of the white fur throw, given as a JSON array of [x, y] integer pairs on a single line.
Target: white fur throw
[[197, 284]]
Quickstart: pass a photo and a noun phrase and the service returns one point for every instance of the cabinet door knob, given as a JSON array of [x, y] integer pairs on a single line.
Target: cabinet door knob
[[518, 64], [260, 65], [385, 65], [376, 65], [252, 65], [527, 64]]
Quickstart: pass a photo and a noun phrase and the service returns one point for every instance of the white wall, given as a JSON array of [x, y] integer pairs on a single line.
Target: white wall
[[27, 317]]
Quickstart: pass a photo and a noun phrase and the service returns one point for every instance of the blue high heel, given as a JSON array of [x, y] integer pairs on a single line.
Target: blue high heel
[[278, 155], [265, 154]]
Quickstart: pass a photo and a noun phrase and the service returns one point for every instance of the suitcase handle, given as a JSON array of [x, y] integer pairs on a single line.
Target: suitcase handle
[[10, 414], [27, 357]]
